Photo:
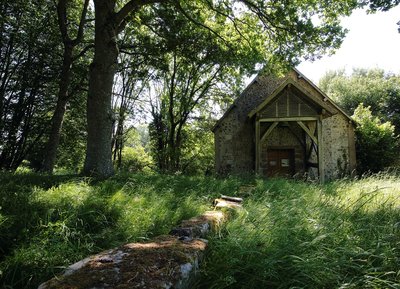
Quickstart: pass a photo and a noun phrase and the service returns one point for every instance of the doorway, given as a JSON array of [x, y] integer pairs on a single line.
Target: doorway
[[280, 163]]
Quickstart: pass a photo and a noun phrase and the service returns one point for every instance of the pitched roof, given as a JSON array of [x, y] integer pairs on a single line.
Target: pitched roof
[[323, 94], [326, 103]]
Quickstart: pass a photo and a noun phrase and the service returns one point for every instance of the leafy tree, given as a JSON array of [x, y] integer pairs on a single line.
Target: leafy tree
[[372, 87], [185, 77], [283, 31], [135, 154], [129, 84], [66, 12], [376, 141], [71, 151], [381, 5], [198, 147], [29, 47]]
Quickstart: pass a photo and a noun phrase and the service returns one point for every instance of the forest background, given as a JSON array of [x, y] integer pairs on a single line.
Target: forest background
[[175, 68], [90, 88]]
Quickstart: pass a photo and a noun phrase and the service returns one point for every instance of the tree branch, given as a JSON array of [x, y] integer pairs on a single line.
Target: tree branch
[[190, 18], [83, 51], [130, 6], [62, 20], [82, 22]]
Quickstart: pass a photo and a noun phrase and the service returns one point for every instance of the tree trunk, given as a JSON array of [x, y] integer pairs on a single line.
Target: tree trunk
[[58, 116], [98, 160]]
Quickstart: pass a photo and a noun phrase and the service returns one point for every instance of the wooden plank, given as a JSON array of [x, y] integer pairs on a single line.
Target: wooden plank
[[257, 168], [287, 101], [311, 135], [302, 118], [314, 98], [312, 125], [321, 163], [310, 149], [269, 130], [232, 199]]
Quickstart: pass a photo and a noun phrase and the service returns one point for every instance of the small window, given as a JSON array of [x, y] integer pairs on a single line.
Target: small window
[[285, 163], [272, 163]]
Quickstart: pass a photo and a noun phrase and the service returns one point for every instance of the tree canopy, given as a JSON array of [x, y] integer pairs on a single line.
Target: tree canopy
[[374, 88], [191, 52], [281, 32], [372, 96]]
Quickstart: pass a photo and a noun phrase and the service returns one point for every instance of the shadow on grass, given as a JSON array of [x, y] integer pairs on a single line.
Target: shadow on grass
[[296, 235], [50, 222]]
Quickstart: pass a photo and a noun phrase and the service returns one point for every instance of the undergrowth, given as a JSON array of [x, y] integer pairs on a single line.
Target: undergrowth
[[48, 223], [345, 234]]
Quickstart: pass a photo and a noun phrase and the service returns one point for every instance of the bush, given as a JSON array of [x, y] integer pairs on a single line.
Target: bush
[[135, 159], [376, 143]]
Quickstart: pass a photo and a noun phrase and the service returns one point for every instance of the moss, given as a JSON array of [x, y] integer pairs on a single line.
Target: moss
[[136, 265]]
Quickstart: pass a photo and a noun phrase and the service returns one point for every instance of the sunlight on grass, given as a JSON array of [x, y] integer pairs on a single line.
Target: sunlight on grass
[[345, 234], [59, 221]]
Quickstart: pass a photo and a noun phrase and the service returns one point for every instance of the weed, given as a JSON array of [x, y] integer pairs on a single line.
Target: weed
[[345, 234], [294, 235]]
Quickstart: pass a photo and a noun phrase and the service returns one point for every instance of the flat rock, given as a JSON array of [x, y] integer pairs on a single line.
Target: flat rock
[[166, 262]]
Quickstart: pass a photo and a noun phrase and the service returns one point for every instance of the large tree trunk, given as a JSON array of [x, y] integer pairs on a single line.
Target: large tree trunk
[[98, 160], [58, 116], [63, 95]]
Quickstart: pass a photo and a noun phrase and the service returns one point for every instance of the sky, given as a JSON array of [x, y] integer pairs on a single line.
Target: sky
[[372, 41]]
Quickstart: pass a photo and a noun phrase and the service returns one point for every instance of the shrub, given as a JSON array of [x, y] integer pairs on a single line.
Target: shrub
[[376, 142], [135, 159]]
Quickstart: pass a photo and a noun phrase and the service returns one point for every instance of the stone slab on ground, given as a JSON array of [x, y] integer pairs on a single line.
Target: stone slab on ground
[[200, 226], [166, 262]]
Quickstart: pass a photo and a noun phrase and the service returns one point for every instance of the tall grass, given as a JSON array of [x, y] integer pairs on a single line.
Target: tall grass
[[47, 223], [345, 234]]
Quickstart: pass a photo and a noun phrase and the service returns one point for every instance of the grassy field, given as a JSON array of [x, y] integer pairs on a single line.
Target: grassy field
[[344, 234]]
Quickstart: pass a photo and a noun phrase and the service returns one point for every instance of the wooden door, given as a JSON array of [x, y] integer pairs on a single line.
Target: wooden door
[[280, 162]]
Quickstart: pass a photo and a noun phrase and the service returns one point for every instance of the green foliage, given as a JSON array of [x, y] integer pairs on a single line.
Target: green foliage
[[71, 152], [61, 219], [377, 145], [29, 58], [198, 149], [291, 234], [380, 5], [371, 87], [135, 156], [135, 159]]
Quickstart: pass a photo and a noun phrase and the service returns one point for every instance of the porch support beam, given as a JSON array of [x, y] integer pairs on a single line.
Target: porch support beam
[[269, 130], [307, 130], [278, 119], [321, 163], [257, 168]]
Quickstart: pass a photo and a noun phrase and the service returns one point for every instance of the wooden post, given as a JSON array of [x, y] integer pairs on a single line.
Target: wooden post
[[321, 163], [257, 168]]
